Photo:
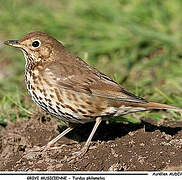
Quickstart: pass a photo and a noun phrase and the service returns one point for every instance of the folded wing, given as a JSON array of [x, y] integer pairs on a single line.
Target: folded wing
[[81, 77]]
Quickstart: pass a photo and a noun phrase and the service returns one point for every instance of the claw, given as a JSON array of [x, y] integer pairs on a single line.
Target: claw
[[77, 154], [37, 149], [46, 148]]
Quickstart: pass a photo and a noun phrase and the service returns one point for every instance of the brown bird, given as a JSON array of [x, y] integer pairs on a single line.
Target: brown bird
[[65, 86]]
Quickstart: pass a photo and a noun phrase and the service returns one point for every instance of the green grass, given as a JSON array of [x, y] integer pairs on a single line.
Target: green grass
[[138, 43]]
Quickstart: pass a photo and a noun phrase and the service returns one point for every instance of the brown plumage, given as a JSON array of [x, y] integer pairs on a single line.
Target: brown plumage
[[65, 86]]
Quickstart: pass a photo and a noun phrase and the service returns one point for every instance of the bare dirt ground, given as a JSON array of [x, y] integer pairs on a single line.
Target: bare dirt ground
[[115, 147]]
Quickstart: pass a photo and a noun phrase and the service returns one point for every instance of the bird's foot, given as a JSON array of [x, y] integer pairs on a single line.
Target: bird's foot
[[46, 148], [37, 149], [78, 154], [40, 151]]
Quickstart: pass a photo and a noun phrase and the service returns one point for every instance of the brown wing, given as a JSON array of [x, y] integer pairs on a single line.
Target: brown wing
[[80, 77]]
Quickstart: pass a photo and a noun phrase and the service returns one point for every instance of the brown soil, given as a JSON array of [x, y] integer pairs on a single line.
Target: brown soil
[[115, 147]]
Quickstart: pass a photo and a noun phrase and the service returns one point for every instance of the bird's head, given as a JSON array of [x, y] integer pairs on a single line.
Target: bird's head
[[37, 47]]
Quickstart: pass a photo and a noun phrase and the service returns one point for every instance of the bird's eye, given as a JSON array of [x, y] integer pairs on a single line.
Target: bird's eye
[[36, 43]]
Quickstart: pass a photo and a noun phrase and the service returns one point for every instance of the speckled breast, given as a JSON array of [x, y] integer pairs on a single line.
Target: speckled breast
[[62, 103]]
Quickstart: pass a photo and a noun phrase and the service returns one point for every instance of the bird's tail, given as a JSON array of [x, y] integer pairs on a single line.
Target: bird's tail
[[128, 107], [154, 105]]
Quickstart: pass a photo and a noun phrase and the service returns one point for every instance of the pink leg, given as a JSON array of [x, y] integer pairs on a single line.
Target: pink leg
[[56, 138], [48, 146]]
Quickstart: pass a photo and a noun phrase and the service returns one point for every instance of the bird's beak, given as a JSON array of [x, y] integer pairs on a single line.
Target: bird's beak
[[13, 43]]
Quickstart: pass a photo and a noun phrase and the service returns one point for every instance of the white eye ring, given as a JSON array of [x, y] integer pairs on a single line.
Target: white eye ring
[[36, 43]]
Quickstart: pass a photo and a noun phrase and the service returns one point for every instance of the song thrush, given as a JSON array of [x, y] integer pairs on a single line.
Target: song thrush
[[65, 86]]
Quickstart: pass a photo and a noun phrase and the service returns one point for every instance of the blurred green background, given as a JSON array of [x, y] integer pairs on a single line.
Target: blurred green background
[[135, 42]]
